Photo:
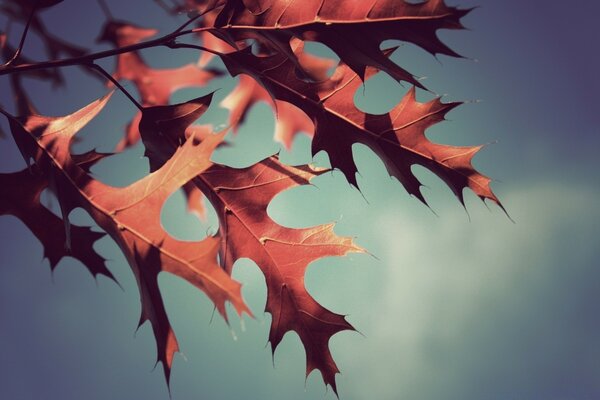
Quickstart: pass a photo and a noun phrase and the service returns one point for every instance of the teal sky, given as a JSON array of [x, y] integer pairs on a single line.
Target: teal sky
[[458, 305]]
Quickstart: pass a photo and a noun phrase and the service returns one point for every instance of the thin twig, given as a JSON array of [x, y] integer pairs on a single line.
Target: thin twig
[[195, 17], [116, 83], [175, 45], [105, 9], [189, 21], [22, 42], [90, 58]]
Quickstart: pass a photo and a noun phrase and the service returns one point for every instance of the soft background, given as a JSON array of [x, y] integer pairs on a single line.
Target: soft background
[[456, 306]]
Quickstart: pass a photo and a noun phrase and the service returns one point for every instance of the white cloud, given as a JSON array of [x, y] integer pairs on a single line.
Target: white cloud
[[457, 292]]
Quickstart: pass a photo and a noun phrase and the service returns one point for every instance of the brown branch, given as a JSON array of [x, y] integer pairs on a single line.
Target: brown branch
[[105, 9], [116, 83], [167, 40], [22, 41], [186, 23], [176, 45]]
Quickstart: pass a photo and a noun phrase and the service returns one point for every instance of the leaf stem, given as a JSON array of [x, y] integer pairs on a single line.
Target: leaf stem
[[194, 18], [189, 21], [116, 83], [175, 45], [22, 41]]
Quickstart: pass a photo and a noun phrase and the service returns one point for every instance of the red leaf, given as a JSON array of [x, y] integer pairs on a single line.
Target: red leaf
[[155, 86], [195, 200], [289, 119], [353, 31], [209, 40], [398, 137], [20, 196], [240, 198], [305, 99], [131, 216]]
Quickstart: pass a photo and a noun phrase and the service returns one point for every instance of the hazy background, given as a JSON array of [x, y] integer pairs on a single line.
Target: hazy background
[[455, 307]]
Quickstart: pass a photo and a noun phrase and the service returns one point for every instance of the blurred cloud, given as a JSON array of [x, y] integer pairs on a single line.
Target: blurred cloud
[[473, 310]]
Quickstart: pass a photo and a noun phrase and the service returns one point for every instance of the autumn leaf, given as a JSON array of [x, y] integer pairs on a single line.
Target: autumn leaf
[[173, 122], [289, 120], [131, 216], [354, 31], [397, 137], [208, 39], [20, 196], [240, 198], [155, 86], [193, 195], [23, 104], [262, 42]]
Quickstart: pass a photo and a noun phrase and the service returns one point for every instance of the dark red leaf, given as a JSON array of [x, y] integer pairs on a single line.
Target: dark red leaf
[[155, 86], [20, 196], [241, 198], [398, 137], [131, 216], [354, 31]]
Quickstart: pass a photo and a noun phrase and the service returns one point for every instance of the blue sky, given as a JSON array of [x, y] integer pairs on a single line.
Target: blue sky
[[458, 305]]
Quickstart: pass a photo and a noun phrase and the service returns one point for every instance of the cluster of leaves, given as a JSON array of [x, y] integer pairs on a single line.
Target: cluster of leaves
[[262, 41]]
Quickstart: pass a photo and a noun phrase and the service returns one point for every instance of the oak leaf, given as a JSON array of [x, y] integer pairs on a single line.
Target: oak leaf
[[155, 86], [353, 31], [289, 120], [131, 216], [208, 39], [240, 198], [20, 196], [304, 97], [397, 137]]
